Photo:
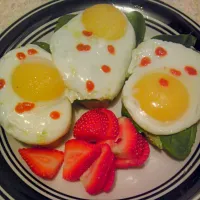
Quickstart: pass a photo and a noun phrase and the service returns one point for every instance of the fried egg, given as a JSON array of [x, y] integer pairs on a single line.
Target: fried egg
[[162, 94], [33, 107], [93, 52]]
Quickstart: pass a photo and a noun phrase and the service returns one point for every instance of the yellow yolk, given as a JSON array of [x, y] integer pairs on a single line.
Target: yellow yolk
[[161, 96], [37, 81], [105, 21]]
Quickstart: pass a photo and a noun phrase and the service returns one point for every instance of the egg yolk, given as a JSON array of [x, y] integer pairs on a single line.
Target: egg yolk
[[37, 81], [163, 102], [105, 21]]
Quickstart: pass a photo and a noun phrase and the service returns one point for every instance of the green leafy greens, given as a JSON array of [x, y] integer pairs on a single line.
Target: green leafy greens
[[43, 45], [138, 22], [63, 20], [177, 145], [185, 39]]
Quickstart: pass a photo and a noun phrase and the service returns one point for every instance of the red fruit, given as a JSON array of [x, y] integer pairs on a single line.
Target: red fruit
[[95, 177], [140, 155], [110, 178], [131, 148], [96, 125], [113, 125], [91, 126], [43, 162], [79, 155], [123, 145]]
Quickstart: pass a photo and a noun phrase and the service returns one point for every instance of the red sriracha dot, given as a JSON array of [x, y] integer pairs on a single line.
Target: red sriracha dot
[[160, 52], [175, 72], [163, 82], [21, 56], [32, 51], [25, 106], [2, 83], [55, 115], [111, 49], [89, 86], [87, 47], [87, 33], [106, 68], [145, 61], [82, 47], [190, 70]]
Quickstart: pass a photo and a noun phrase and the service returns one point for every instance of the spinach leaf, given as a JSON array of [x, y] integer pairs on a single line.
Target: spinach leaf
[[179, 145], [153, 139], [185, 39], [63, 20], [43, 45], [138, 22]]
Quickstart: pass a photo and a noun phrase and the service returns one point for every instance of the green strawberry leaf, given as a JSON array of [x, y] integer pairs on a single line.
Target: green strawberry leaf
[[179, 145], [138, 22], [43, 45], [63, 20], [185, 39]]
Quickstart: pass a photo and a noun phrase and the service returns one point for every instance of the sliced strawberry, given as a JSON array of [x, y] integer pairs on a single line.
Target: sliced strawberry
[[123, 145], [110, 178], [91, 126], [140, 154], [113, 127], [131, 148], [95, 177], [79, 155], [43, 162]]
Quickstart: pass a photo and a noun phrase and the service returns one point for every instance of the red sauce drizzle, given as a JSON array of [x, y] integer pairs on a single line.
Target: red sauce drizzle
[[55, 115], [175, 72], [32, 51], [24, 106], [87, 33], [164, 82], [160, 52], [83, 47], [111, 49], [145, 61], [191, 70], [89, 86], [2, 83], [21, 56], [106, 68]]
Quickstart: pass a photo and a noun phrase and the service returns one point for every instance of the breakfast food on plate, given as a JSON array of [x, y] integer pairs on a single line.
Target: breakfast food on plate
[[130, 147], [79, 155], [94, 164], [93, 51], [162, 94], [33, 107], [96, 177], [43, 162], [96, 125]]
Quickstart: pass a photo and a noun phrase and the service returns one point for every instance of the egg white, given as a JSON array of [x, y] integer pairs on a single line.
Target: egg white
[[177, 57], [35, 126], [78, 67]]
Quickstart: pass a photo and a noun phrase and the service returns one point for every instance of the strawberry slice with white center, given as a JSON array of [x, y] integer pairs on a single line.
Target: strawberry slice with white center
[[43, 162], [110, 178], [129, 146], [96, 176], [79, 155], [140, 155]]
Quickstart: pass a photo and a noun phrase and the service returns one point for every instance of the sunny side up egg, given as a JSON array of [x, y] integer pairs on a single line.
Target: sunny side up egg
[[93, 52], [33, 108], [162, 95]]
